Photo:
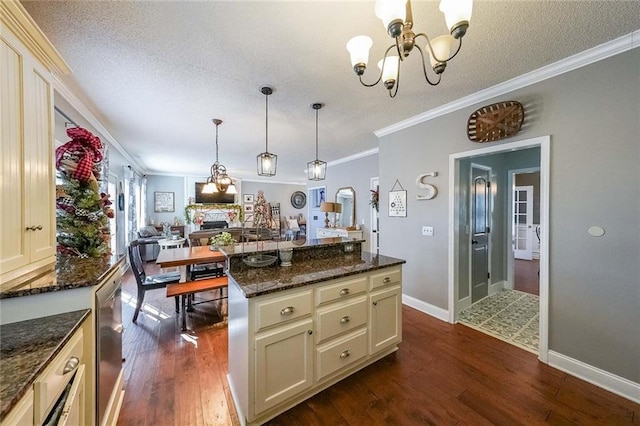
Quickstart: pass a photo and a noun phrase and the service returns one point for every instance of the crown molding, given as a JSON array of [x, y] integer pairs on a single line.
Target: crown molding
[[16, 18], [579, 60], [82, 109], [356, 156]]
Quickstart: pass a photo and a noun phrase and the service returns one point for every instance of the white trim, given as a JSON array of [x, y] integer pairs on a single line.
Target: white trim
[[356, 156], [496, 287], [272, 181], [425, 307], [544, 143], [589, 56], [82, 109], [601, 378]]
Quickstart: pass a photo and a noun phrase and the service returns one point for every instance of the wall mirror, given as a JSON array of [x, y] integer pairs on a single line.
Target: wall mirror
[[347, 198]]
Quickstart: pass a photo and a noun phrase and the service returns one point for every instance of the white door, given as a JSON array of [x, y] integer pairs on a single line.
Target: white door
[[315, 218], [522, 222]]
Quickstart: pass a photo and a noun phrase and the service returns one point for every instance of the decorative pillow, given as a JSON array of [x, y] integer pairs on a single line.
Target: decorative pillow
[[293, 224], [148, 231]]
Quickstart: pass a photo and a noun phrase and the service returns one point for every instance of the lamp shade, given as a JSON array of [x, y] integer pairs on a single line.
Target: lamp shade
[[337, 208], [441, 47], [456, 11], [327, 207], [391, 10], [390, 64], [358, 48]]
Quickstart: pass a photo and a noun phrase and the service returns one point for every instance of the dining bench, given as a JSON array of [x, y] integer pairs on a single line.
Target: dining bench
[[185, 289]]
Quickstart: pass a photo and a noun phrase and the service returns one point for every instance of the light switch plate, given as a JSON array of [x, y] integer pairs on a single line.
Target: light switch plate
[[427, 231]]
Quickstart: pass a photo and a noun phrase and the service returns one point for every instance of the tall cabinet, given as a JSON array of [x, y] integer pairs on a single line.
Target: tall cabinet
[[27, 63]]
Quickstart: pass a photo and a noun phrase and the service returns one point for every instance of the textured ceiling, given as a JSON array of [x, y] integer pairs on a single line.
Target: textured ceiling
[[156, 72]]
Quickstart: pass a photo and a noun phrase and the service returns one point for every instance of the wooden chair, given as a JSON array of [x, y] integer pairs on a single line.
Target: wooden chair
[[147, 282], [197, 239]]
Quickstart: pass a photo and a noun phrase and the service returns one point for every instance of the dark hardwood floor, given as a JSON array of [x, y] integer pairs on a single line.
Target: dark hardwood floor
[[442, 374], [525, 276]]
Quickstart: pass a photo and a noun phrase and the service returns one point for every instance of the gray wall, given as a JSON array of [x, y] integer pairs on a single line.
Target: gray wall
[[277, 193], [173, 184], [592, 115]]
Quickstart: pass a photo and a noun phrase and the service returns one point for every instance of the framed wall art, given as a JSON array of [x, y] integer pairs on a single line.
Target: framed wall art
[[248, 208], [163, 202], [247, 198], [397, 201]]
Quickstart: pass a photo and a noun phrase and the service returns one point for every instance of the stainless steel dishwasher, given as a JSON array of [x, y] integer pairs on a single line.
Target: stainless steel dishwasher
[[109, 342]]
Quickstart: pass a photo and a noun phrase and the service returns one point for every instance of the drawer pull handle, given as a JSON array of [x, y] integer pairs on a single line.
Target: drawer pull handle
[[345, 319], [39, 227], [345, 354], [288, 310], [386, 280], [71, 365], [344, 292]]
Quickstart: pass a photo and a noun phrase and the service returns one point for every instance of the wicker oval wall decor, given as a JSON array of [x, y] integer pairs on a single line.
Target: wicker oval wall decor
[[496, 121]]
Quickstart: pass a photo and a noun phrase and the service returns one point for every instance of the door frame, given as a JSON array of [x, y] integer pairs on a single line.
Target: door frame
[[374, 232], [543, 142]]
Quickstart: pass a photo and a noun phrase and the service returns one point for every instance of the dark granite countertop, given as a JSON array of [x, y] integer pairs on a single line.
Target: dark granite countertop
[[258, 281], [27, 347], [71, 272]]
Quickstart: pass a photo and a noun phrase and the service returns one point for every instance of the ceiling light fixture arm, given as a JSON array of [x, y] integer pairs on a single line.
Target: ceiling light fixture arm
[[360, 71]]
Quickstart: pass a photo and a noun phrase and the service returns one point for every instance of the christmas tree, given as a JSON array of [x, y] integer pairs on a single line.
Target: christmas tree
[[82, 211]]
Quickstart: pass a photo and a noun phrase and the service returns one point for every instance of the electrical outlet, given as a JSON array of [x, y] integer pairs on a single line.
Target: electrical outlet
[[427, 231]]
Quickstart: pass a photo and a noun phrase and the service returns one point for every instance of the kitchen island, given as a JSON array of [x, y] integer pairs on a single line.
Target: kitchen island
[[296, 330]]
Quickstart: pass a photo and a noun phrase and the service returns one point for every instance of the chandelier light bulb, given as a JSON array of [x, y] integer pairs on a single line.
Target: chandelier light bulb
[[392, 13], [358, 48], [389, 67], [457, 15]]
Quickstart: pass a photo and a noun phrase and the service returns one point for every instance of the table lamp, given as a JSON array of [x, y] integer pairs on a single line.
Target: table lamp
[[327, 207]]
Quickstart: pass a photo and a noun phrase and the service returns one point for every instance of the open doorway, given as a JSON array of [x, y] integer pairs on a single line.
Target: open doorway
[[501, 159], [315, 197]]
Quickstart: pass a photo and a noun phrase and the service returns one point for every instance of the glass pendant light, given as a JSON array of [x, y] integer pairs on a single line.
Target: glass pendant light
[[267, 162], [317, 169]]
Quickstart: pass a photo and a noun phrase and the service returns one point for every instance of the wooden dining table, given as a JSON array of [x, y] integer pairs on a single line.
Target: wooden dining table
[[184, 257]]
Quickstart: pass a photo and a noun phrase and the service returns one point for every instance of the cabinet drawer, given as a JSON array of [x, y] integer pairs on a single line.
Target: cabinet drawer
[[386, 277], [340, 290], [341, 353], [52, 381], [344, 317], [282, 309]]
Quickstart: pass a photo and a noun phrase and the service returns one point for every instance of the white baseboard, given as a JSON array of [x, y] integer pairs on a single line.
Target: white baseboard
[[496, 287], [434, 311], [616, 384]]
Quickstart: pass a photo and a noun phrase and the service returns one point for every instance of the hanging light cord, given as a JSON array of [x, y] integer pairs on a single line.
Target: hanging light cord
[[266, 126], [316, 135]]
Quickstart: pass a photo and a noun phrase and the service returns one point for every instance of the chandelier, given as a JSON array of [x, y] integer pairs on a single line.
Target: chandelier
[[397, 19], [317, 169], [219, 181], [267, 162]]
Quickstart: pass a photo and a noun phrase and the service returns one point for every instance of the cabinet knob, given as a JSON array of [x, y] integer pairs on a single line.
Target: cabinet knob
[[310, 331], [344, 292], [288, 310], [345, 319], [345, 354], [386, 280], [39, 227], [375, 303], [71, 365]]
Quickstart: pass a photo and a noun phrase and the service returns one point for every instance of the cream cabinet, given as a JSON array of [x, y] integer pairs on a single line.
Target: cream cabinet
[[287, 346], [28, 244], [22, 413], [338, 233]]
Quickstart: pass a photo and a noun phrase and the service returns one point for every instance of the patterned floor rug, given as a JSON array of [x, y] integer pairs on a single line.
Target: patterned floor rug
[[509, 315]]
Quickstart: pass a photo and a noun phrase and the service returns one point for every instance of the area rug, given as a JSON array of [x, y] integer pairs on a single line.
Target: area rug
[[509, 315]]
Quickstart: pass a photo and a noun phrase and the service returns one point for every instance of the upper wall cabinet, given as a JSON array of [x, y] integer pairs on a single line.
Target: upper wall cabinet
[[27, 201]]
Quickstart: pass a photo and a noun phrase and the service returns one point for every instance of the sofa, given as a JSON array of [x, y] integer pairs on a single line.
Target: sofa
[[148, 237]]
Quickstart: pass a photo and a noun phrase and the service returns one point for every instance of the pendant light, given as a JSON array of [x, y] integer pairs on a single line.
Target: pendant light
[[317, 169], [267, 162], [219, 180]]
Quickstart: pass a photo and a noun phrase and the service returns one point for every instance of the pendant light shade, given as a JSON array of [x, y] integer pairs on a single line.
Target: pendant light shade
[[267, 162], [316, 169]]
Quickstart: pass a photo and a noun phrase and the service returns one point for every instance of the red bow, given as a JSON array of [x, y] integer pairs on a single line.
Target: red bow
[[82, 141]]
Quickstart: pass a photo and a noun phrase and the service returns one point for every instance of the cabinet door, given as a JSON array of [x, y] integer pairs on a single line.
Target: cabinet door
[[72, 413], [284, 364], [22, 413], [385, 316]]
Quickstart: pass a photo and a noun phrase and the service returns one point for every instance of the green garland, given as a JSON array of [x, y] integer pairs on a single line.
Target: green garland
[[188, 210]]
